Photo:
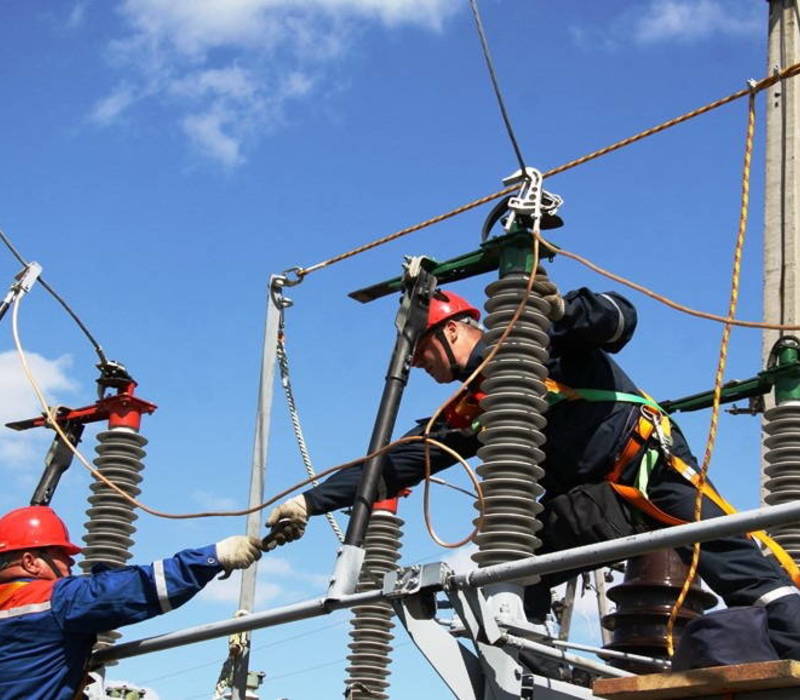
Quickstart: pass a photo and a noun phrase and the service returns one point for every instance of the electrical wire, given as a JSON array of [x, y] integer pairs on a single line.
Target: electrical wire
[[259, 647], [487, 55], [97, 347], [52, 421], [790, 72]]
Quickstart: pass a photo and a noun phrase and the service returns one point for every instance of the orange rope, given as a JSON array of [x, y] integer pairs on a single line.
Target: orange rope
[[789, 72], [662, 299]]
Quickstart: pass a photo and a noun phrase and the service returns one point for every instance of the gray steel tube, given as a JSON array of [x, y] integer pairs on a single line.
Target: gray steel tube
[[573, 659], [268, 618], [588, 556], [593, 555]]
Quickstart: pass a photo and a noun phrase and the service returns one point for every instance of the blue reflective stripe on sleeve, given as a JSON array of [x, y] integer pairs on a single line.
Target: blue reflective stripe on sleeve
[[161, 586]]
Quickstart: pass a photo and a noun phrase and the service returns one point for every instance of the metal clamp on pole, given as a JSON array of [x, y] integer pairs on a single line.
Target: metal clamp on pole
[[23, 281]]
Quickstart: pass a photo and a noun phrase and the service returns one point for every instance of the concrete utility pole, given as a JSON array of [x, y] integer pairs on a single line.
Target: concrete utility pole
[[782, 183], [782, 180]]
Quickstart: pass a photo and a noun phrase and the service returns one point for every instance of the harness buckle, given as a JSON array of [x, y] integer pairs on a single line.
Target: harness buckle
[[664, 440]]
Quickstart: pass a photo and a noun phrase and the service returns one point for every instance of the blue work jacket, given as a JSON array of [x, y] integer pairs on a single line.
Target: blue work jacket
[[48, 628]]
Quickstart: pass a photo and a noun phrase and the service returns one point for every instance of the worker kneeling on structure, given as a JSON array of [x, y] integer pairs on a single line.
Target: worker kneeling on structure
[[49, 619], [615, 464]]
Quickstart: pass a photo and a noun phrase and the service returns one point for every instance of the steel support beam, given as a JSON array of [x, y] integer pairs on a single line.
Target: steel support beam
[[589, 556]]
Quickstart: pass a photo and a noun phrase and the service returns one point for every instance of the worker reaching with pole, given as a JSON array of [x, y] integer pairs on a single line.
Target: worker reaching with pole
[[615, 464], [49, 619]]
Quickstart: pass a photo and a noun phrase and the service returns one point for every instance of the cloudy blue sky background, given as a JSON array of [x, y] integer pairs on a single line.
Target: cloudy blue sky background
[[163, 158]]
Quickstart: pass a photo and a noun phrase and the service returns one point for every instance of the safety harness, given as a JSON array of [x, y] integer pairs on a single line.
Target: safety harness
[[651, 422]]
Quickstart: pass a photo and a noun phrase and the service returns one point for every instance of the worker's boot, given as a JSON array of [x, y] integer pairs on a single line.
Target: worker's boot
[[783, 622]]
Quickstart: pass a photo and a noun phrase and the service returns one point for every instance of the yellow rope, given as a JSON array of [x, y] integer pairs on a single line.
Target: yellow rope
[[723, 358]]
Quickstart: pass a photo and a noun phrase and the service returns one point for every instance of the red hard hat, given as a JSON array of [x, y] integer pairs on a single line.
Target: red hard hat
[[446, 305], [33, 527]]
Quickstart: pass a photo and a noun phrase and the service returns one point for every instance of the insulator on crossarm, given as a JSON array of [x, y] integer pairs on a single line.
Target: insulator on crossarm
[[371, 625], [782, 427], [513, 422]]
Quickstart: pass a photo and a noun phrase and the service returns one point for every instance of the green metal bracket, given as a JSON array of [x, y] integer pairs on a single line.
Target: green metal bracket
[[509, 253], [785, 356], [782, 373]]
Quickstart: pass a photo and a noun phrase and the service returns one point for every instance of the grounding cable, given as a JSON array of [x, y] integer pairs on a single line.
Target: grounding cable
[[294, 416], [487, 56], [723, 357]]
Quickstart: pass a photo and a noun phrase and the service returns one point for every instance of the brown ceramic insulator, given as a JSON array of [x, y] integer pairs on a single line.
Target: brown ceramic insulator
[[644, 600]]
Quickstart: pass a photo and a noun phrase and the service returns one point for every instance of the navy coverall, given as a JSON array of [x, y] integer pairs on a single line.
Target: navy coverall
[[583, 439], [48, 628]]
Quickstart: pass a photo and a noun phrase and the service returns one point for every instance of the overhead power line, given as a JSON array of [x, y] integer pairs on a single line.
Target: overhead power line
[[97, 347]]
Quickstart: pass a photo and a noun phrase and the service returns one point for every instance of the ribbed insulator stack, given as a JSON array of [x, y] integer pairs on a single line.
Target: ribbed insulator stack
[[110, 526], [644, 601], [513, 421], [782, 426], [368, 672]]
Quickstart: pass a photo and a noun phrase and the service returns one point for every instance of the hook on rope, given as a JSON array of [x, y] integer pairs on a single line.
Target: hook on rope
[[276, 285]]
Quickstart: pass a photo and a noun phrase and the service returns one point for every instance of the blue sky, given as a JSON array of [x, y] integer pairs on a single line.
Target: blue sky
[[163, 158]]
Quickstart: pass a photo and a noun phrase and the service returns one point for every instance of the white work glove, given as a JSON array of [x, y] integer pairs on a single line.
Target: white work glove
[[238, 552], [288, 522], [551, 295]]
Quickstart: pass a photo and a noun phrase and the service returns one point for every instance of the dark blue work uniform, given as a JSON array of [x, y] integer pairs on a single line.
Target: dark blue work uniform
[[48, 628], [583, 439]]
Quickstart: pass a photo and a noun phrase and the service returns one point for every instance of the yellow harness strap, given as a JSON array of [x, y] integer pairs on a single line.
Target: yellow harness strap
[[640, 500]]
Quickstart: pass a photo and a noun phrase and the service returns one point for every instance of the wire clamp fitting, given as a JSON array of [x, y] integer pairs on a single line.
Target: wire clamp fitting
[[531, 200]]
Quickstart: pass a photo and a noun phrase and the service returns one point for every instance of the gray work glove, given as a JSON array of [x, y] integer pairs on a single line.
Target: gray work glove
[[551, 295], [288, 522], [238, 552]]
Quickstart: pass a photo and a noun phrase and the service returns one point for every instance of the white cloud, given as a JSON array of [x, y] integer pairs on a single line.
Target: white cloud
[[690, 20], [659, 21], [24, 450], [109, 108], [230, 68], [77, 15], [212, 133]]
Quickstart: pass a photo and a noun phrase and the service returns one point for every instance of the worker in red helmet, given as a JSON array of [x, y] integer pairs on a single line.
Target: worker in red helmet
[[49, 619], [593, 453]]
